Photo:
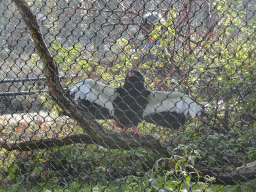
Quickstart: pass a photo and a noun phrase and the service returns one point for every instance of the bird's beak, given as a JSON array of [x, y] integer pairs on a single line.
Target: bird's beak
[[131, 74]]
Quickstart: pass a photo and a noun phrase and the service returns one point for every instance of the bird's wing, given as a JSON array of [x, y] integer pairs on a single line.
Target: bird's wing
[[169, 109], [96, 97]]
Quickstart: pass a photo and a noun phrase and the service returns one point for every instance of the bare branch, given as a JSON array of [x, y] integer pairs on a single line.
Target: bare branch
[[46, 143], [230, 177], [226, 177]]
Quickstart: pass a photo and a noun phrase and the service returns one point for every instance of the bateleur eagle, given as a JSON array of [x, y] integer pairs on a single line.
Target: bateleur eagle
[[131, 103]]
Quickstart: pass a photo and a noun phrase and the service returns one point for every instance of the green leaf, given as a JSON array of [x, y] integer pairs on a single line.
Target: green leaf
[[188, 179], [160, 179], [13, 169], [178, 163]]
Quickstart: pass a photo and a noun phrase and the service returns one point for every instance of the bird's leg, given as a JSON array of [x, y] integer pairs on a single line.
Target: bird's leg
[[118, 125], [135, 130], [125, 131]]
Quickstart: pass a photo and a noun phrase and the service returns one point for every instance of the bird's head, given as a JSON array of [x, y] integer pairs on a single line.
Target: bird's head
[[134, 77]]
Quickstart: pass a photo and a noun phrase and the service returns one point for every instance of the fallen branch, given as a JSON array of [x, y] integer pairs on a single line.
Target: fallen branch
[[123, 142], [46, 143], [230, 177], [223, 177]]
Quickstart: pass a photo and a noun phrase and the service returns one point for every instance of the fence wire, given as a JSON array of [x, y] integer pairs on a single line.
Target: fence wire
[[127, 95]]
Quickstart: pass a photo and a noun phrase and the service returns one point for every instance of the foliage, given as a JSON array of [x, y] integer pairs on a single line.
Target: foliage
[[80, 163], [232, 55], [80, 168], [177, 178]]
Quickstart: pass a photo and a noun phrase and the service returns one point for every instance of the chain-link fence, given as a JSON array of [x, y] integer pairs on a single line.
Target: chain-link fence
[[127, 95]]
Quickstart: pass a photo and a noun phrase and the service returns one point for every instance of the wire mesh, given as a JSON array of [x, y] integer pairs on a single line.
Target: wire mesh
[[127, 95]]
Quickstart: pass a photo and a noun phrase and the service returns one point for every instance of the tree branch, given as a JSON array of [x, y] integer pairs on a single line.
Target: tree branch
[[46, 143], [223, 177], [230, 177]]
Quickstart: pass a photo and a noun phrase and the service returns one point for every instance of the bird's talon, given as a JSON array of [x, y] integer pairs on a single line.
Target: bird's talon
[[139, 134], [135, 130], [126, 132]]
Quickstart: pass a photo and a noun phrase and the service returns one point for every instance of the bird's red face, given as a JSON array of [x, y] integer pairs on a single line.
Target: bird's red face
[[131, 74], [134, 77]]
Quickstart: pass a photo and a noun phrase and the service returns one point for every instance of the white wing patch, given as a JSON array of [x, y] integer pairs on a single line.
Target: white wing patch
[[171, 102], [96, 92]]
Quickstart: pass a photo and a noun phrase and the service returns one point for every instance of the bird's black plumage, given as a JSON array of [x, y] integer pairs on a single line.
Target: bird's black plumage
[[131, 100], [132, 103]]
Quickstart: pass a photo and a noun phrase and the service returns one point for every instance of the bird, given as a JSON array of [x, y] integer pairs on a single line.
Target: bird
[[132, 103]]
